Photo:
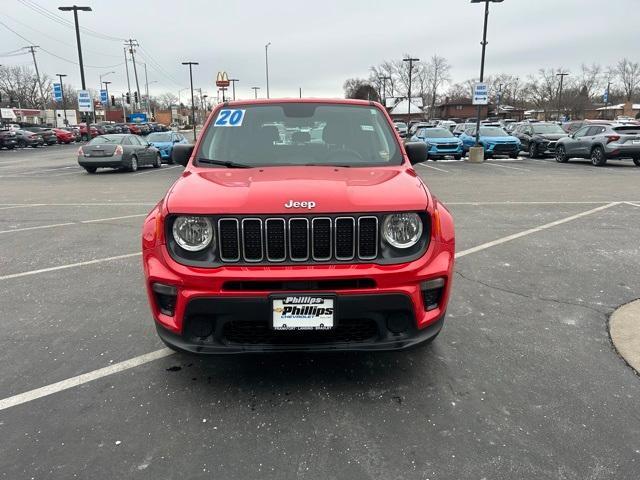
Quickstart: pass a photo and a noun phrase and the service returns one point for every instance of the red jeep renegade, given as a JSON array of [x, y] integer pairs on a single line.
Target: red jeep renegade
[[298, 225]]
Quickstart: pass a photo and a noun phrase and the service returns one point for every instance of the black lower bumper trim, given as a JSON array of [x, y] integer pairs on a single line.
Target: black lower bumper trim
[[242, 325]]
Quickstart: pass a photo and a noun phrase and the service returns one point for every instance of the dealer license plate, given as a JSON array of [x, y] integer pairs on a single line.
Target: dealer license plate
[[636, 142], [303, 312]]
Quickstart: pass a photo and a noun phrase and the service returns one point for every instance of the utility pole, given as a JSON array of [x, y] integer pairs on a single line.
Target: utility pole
[[32, 49], [266, 63], [75, 10], [255, 92], [126, 67], [410, 60], [499, 99], [300, 92], [561, 75], [134, 43], [124, 111], [64, 106], [233, 86], [193, 106], [606, 104], [106, 107], [146, 81]]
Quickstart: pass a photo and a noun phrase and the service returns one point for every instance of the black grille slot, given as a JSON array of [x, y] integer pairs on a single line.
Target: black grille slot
[[229, 240], [275, 237], [321, 231], [345, 238], [367, 237], [299, 239], [252, 239], [292, 285]]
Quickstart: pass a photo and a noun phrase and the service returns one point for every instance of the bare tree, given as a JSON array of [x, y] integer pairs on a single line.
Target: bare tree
[[437, 73], [361, 89], [20, 84], [165, 100], [590, 79], [628, 73]]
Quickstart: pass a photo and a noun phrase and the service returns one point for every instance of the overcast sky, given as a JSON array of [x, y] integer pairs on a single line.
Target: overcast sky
[[317, 45]]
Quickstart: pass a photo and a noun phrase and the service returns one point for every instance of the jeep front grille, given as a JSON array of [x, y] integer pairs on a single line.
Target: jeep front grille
[[298, 239]]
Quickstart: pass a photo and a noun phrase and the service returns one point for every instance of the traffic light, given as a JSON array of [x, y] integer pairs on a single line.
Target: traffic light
[[113, 100], [128, 98], [135, 96]]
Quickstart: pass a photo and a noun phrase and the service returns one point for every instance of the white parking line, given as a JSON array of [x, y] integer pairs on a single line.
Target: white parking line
[[524, 233], [84, 378], [158, 170], [506, 166], [434, 168], [54, 225], [634, 204], [69, 265], [22, 206]]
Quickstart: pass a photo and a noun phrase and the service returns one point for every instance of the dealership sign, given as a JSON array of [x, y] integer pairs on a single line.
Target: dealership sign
[[84, 101], [480, 94]]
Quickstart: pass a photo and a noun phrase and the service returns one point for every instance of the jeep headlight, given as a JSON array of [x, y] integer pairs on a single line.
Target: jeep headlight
[[402, 230], [193, 233]]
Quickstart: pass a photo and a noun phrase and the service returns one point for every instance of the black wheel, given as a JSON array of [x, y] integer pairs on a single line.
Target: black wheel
[[133, 164], [598, 157], [10, 147], [22, 144], [513, 155], [157, 163], [533, 150], [90, 169], [457, 157], [561, 154], [636, 160]]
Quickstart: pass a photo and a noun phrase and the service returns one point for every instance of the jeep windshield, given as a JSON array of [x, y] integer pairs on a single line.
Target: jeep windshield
[[315, 134]]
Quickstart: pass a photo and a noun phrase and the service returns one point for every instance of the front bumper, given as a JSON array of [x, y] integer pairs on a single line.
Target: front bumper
[[502, 149], [372, 296], [443, 151], [165, 154]]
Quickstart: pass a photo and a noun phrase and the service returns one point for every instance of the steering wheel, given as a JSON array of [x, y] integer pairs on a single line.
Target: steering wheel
[[344, 153]]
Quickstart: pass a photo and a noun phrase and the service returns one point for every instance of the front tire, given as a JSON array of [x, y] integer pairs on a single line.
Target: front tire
[[561, 154], [157, 163], [533, 150], [513, 155], [598, 158], [133, 164], [636, 160], [457, 157]]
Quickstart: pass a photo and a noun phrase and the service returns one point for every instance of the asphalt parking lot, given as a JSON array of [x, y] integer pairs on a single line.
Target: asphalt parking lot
[[523, 383]]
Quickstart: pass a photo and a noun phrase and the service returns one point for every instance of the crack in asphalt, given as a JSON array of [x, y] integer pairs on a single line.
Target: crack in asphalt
[[532, 297]]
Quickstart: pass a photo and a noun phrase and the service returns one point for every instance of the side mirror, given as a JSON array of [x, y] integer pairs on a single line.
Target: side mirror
[[181, 153], [416, 151]]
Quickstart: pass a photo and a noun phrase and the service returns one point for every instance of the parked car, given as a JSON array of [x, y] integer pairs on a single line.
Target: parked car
[[75, 131], [83, 131], [107, 127], [461, 127], [600, 143], [249, 226], [440, 142], [414, 128], [64, 136], [134, 128], [575, 125], [145, 128], [539, 139], [448, 124], [493, 139], [401, 128], [122, 151], [8, 139], [164, 142], [25, 138], [47, 134]]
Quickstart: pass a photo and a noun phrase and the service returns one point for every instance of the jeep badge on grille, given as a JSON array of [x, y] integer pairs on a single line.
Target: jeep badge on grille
[[292, 204]]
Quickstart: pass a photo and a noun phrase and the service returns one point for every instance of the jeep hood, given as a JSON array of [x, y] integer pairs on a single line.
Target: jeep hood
[[267, 190]]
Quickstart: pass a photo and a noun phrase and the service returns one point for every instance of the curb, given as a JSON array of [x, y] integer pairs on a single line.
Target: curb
[[624, 328]]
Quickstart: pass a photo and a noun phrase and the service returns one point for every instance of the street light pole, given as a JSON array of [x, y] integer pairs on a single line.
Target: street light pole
[[561, 75], [484, 48], [107, 88], [193, 106], [255, 92], [233, 86], [75, 10], [64, 106], [266, 63], [106, 107], [606, 104], [499, 99], [410, 60]]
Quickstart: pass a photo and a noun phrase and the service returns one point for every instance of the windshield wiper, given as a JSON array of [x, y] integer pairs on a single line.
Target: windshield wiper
[[323, 165], [224, 163]]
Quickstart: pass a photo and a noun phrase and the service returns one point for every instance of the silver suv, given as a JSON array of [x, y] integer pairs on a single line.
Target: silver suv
[[600, 143]]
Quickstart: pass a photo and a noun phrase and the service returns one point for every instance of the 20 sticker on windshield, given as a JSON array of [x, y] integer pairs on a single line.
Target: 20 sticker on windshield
[[229, 118]]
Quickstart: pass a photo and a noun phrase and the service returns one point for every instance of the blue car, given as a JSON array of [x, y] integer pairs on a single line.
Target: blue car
[[440, 142], [494, 140], [164, 142]]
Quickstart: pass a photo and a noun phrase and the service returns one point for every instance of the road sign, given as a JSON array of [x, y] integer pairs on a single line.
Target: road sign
[[222, 80], [480, 94], [84, 101], [57, 92], [103, 97], [138, 117]]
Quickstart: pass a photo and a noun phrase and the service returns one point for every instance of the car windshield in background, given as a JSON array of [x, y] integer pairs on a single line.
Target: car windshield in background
[[106, 140], [493, 132], [159, 137], [300, 134], [400, 124], [548, 129], [436, 133]]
